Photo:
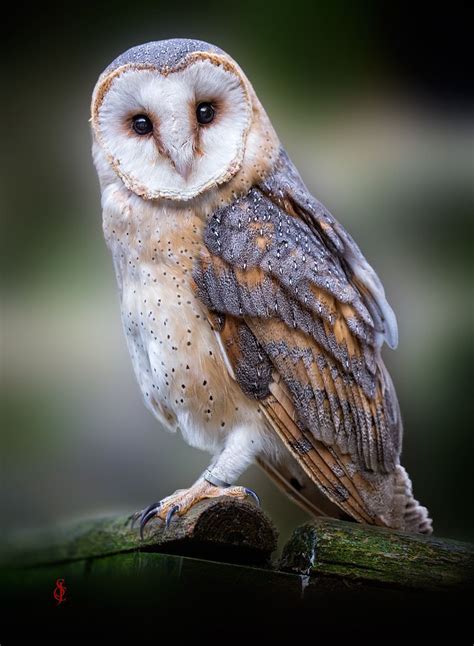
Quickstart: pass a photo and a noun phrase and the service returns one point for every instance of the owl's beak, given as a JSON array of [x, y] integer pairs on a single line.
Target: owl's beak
[[181, 159], [177, 146]]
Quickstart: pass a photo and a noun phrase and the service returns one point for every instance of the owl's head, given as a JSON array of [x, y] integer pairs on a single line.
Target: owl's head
[[173, 118]]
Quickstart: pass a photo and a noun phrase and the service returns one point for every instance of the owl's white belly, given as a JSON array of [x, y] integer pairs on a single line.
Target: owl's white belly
[[178, 361], [176, 355]]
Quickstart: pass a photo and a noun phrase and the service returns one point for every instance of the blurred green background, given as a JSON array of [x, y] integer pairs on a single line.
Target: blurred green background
[[376, 116]]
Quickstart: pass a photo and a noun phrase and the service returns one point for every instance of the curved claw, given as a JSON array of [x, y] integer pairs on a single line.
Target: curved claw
[[139, 514], [133, 519], [170, 514], [252, 493], [147, 515]]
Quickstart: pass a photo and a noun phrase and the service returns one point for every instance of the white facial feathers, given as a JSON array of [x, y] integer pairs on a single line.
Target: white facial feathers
[[181, 158]]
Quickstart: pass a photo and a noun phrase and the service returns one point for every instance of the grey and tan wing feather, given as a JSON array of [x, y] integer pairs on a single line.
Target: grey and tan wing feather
[[285, 187], [289, 284], [302, 317]]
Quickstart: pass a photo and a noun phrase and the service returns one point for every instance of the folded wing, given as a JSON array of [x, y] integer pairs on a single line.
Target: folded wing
[[302, 317]]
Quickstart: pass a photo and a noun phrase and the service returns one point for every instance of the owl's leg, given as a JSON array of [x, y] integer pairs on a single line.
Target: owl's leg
[[214, 482]]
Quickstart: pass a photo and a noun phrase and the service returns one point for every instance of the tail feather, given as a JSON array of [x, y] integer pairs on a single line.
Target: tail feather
[[407, 514]]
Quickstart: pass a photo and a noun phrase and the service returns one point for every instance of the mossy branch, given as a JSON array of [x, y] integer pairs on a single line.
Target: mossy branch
[[229, 531], [219, 529], [327, 547]]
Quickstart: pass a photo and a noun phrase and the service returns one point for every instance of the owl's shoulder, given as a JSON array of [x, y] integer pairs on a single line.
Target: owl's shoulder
[[281, 210]]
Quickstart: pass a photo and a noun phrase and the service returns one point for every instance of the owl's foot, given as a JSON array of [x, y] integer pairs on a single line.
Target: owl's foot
[[182, 500]]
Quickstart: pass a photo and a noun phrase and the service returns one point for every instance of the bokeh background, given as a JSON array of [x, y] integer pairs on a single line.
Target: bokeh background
[[373, 106]]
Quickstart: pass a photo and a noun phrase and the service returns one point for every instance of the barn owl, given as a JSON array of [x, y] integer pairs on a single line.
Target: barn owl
[[254, 322]]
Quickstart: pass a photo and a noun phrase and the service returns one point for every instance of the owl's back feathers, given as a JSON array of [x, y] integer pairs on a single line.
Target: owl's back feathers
[[302, 316]]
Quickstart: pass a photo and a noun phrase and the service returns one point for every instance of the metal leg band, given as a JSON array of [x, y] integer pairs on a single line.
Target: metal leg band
[[217, 482]]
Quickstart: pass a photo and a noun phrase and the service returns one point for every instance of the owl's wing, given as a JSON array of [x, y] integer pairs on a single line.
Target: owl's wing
[[302, 316], [286, 188]]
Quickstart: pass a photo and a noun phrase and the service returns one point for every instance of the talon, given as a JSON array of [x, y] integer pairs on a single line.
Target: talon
[[133, 519], [170, 514], [138, 514], [252, 493], [147, 515]]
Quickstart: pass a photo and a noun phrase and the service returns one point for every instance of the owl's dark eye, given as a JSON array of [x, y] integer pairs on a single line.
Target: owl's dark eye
[[205, 113], [142, 124]]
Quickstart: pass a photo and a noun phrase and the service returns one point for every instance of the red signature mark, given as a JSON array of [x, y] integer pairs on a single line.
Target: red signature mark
[[60, 591]]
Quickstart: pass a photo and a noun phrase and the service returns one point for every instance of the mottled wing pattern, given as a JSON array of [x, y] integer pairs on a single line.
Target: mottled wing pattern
[[286, 188], [302, 325]]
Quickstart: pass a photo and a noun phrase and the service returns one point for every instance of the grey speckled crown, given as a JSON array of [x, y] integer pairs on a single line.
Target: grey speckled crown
[[162, 54]]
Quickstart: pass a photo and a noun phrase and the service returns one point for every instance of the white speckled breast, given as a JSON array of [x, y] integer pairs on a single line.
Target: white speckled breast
[[175, 353]]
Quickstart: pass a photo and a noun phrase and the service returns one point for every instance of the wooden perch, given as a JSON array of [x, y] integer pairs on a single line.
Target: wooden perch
[[227, 530], [201, 572], [217, 529], [350, 551]]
